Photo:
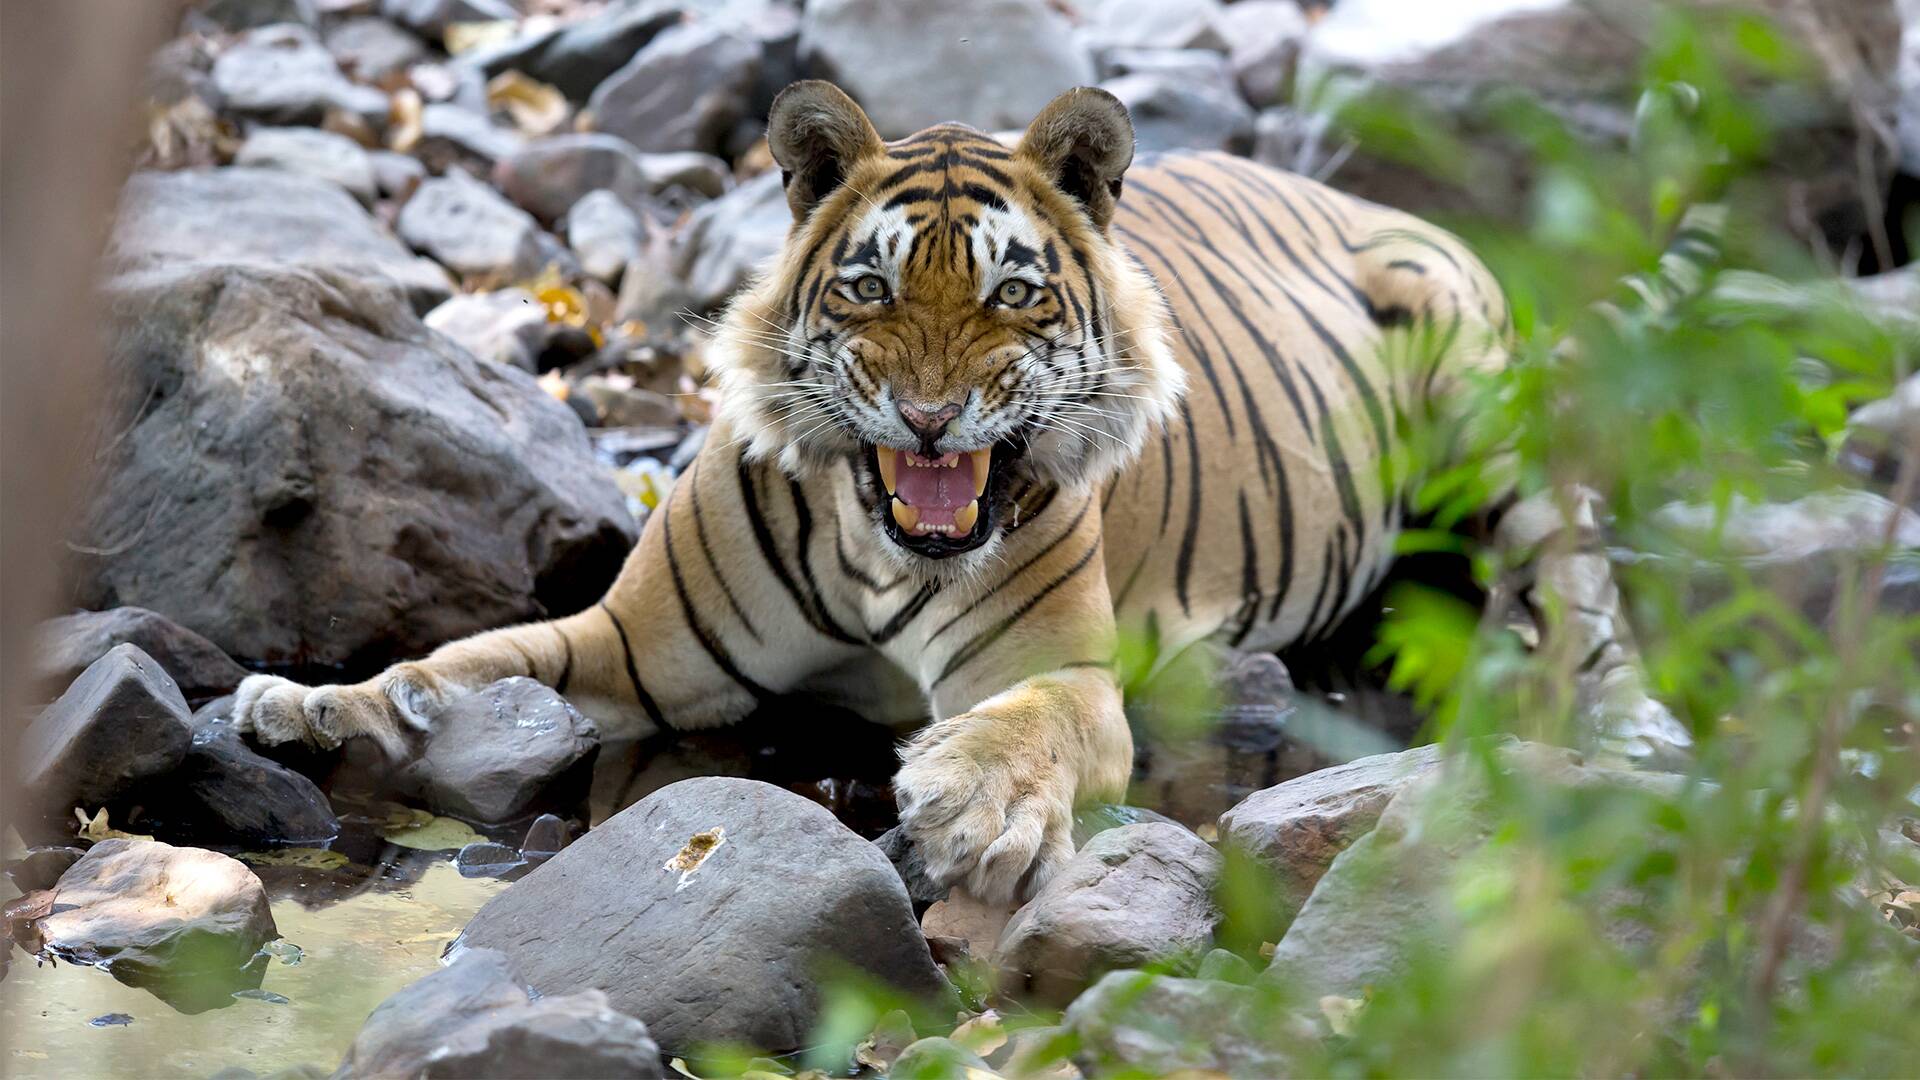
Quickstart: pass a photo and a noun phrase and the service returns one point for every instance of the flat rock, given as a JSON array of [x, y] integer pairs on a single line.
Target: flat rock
[[507, 326], [1135, 895], [685, 91], [605, 234], [326, 510], [468, 228], [121, 721], [705, 910], [162, 916], [65, 645], [223, 788], [264, 218], [322, 155], [472, 1018], [1298, 828], [490, 754], [1133, 1023], [578, 56], [282, 74], [731, 238], [915, 63]]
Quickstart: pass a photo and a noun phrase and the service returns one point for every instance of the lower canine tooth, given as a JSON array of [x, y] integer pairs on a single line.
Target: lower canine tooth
[[905, 516], [964, 517], [982, 459]]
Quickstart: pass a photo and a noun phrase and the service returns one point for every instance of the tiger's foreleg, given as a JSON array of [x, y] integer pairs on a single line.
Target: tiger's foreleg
[[1030, 721], [1566, 582]]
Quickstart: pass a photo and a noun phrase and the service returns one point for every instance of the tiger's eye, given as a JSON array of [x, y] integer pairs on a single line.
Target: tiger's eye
[[870, 288], [1013, 293]]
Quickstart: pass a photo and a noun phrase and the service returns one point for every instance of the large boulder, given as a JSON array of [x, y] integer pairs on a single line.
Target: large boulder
[[121, 721], [731, 238], [68, 644], [223, 788], [711, 910], [915, 63], [473, 1019], [1298, 828], [323, 155], [187, 922], [308, 474], [685, 91], [1135, 895], [491, 753], [262, 217]]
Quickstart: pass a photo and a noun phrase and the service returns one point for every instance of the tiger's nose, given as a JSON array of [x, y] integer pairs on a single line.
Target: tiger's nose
[[928, 422]]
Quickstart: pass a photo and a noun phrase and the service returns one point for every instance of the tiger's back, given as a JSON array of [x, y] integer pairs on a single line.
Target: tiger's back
[[1268, 508]]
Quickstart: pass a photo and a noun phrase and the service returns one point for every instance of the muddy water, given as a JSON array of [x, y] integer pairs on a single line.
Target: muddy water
[[359, 942]]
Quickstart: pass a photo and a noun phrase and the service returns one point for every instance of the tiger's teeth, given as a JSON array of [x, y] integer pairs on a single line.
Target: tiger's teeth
[[982, 459], [905, 516], [964, 517], [884, 455]]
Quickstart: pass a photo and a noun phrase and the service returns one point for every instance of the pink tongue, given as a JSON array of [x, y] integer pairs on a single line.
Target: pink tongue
[[930, 487]]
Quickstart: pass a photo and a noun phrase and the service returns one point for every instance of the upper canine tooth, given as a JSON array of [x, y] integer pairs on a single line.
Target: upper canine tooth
[[964, 517], [888, 464], [982, 460], [905, 516]]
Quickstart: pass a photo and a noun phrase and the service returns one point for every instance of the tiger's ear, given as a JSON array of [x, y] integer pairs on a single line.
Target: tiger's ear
[[1083, 141], [817, 134]]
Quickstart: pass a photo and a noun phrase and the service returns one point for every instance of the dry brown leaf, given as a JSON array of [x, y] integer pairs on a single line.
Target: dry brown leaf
[[404, 126], [535, 107], [983, 1034], [96, 828], [465, 36]]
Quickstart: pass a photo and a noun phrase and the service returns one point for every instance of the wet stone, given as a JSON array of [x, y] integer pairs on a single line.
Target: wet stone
[[121, 721], [545, 837]]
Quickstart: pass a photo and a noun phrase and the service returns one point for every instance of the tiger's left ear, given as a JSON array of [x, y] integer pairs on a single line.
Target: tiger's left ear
[[1083, 141], [817, 135]]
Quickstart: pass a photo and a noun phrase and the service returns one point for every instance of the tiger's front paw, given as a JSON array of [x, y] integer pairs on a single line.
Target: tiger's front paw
[[984, 811], [385, 709]]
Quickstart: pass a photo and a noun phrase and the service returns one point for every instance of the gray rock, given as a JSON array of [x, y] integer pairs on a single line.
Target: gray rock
[[397, 176], [1180, 65], [65, 646], [578, 56], [1298, 828], [1384, 899], [236, 15], [268, 219], [705, 910], [1288, 139], [605, 234], [545, 177], [1174, 114], [508, 327], [162, 916], [121, 721], [1136, 895], [690, 170], [430, 18], [488, 859], [1169, 24], [1091, 821], [373, 50], [331, 511], [685, 91], [223, 788], [468, 228], [1263, 38], [1134, 1023], [322, 155], [731, 238], [907, 861], [41, 867], [916, 63], [456, 138], [545, 837], [472, 1018], [491, 753], [282, 74]]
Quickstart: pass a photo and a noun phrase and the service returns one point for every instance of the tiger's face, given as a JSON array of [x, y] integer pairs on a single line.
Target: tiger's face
[[951, 315]]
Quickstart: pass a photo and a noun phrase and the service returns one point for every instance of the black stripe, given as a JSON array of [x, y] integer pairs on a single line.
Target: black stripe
[[700, 534], [1184, 563], [803, 549], [907, 613], [708, 641], [1006, 583], [566, 666], [633, 673], [985, 639], [768, 550], [1249, 573]]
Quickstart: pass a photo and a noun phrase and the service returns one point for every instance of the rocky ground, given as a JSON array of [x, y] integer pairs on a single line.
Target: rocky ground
[[377, 252]]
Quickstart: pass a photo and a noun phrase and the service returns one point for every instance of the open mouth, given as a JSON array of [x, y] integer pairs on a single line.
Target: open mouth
[[937, 506]]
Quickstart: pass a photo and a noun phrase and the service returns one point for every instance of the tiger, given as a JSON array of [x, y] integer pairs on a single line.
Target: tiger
[[998, 404]]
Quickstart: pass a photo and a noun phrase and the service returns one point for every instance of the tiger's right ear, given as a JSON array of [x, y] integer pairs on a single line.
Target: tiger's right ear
[[817, 134]]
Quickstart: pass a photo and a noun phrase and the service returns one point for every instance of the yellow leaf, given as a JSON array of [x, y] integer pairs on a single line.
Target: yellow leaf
[[96, 828], [464, 36], [305, 857], [536, 108], [436, 834]]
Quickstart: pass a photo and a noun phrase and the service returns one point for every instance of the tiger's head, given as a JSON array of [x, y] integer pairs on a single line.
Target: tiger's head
[[949, 313]]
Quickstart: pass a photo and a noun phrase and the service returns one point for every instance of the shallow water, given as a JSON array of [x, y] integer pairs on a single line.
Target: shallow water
[[355, 952]]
